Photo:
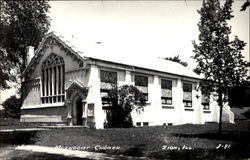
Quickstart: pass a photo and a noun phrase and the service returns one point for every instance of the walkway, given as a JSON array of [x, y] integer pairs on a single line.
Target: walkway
[[23, 129], [75, 153]]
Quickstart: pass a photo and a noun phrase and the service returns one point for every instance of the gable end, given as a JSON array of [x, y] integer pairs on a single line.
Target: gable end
[[50, 41]]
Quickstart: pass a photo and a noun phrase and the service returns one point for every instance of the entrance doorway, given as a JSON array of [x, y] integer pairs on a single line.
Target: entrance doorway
[[77, 111]]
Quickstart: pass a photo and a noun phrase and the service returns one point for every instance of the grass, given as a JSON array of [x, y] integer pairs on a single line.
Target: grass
[[13, 123], [148, 138], [162, 142]]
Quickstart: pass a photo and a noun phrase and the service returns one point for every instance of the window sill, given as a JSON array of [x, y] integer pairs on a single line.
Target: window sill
[[189, 109], [167, 107], [46, 105], [206, 111]]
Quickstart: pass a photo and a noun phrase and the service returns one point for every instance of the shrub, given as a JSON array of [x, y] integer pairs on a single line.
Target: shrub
[[126, 99], [12, 107]]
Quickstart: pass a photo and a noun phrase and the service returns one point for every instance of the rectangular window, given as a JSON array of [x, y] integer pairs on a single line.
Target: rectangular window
[[108, 82], [166, 92], [43, 83], [187, 95], [108, 76], [59, 78], [55, 80], [141, 83], [63, 81], [47, 82], [205, 101], [50, 85], [90, 112]]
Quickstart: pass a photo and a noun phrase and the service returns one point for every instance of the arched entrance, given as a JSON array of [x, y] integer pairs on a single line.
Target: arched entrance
[[77, 111], [76, 101]]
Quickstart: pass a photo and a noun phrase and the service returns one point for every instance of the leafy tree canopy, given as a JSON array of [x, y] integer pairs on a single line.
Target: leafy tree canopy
[[23, 23], [245, 5], [176, 59], [126, 99], [219, 59], [12, 107]]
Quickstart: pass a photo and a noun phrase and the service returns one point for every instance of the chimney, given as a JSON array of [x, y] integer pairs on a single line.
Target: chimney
[[30, 53]]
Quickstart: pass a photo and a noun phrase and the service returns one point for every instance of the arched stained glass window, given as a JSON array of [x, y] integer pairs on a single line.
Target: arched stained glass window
[[53, 78]]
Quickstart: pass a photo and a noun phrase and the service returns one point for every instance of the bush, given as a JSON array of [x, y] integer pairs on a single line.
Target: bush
[[125, 99], [239, 96], [247, 114], [12, 107]]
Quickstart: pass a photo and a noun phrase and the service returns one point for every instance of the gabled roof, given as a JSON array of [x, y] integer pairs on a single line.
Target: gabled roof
[[99, 52], [77, 84], [38, 55], [74, 86]]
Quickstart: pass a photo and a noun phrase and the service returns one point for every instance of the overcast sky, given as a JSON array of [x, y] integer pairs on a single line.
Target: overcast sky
[[138, 28]]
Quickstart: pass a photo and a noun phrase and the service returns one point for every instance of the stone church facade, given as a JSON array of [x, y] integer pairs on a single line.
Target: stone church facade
[[62, 85]]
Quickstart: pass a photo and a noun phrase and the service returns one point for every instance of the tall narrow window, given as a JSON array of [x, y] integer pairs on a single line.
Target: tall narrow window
[[205, 101], [166, 92], [141, 82], [108, 82], [53, 79], [47, 81], [43, 84], [187, 95], [63, 82]]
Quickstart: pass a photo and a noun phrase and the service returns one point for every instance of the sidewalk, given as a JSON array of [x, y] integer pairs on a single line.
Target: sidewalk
[[41, 127], [23, 129], [75, 153]]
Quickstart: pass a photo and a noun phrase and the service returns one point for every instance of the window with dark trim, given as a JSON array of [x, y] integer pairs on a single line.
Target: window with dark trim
[[108, 82], [187, 95], [141, 83], [53, 79], [166, 92]]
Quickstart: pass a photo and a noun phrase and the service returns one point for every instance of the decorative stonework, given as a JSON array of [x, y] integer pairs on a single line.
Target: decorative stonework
[[53, 60], [75, 75], [76, 89], [48, 43]]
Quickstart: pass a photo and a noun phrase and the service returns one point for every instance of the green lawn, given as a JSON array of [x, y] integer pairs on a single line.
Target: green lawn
[[163, 142]]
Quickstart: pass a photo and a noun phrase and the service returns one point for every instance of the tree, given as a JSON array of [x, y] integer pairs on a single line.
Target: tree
[[239, 96], [218, 58], [12, 107], [23, 23], [245, 5], [125, 99], [177, 59]]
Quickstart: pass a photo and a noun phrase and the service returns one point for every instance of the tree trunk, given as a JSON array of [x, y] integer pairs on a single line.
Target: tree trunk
[[221, 108]]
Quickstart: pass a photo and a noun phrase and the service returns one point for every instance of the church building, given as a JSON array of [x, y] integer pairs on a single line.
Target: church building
[[62, 84]]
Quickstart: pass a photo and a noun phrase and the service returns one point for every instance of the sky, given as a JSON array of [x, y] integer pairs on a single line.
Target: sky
[[139, 28], [142, 29]]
